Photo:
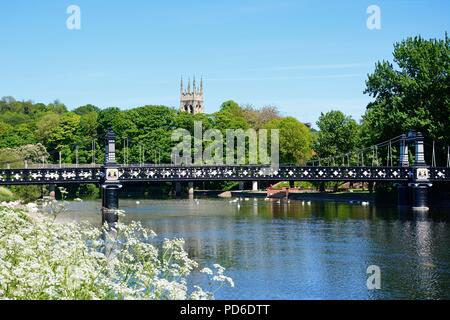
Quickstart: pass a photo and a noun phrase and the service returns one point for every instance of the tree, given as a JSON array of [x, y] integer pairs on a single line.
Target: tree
[[295, 140], [4, 127], [45, 125], [411, 93], [64, 136], [106, 119], [148, 129], [230, 116], [15, 157], [257, 118], [57, 107], [338, 134], [86, 109], [89, 124], [15, 136]]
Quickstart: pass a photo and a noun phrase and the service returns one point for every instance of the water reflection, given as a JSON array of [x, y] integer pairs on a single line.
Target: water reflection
[[298, 250]]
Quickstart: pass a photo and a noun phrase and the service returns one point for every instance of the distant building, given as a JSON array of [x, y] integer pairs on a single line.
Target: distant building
[[192, 100]]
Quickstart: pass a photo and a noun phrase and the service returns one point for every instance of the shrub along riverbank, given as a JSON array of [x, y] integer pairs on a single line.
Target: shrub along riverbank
[[42, 259]]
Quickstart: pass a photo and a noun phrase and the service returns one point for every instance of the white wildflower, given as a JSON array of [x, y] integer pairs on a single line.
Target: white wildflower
[[41, 259], [207, 271]]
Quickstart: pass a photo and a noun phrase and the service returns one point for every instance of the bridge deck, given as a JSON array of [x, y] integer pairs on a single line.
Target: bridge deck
[[161, 173]]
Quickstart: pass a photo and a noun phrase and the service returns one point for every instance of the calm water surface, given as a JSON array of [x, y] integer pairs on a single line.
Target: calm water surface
[[295, 251]]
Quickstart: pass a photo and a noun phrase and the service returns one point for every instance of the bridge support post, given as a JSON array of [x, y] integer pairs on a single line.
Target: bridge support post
[[110, 205], [404, 153], [421, 178], [241, 185], [52, 191], [177, 189], [420, 197], [110, 184], [255, 186], [191, 188]]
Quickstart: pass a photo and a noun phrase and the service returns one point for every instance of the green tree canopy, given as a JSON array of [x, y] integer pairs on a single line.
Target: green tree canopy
[[411, 93], [64, 134], [230, 116], [295, 140], [86, 109], [337, 134]]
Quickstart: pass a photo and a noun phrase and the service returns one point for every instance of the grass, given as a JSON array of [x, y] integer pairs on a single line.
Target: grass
[[6, 194]]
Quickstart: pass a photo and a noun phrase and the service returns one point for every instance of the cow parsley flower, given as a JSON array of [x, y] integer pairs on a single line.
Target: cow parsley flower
[[43, 259]]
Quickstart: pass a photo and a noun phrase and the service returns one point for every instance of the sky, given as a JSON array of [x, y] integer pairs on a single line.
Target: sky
[[304, 56]]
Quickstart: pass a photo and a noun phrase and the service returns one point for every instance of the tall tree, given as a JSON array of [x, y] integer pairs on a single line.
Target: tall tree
[[230, 116], [295, 140], [337, 134], [64, 136], [411, 93]]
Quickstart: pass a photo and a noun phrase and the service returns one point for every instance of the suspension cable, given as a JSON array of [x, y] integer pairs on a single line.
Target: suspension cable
[[433, 160], [448, 157], [390, 150], [388, 155]]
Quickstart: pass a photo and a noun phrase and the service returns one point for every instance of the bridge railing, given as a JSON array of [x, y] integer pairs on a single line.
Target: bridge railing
[[171, 165], [60, 166]]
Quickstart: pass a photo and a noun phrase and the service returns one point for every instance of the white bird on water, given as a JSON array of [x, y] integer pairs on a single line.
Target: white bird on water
[[138, 202]]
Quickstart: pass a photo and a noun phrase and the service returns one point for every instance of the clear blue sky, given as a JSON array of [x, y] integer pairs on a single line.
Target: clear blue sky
[[305, 56]]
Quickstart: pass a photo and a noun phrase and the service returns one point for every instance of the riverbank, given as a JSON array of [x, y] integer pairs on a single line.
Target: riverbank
[[313, 196]]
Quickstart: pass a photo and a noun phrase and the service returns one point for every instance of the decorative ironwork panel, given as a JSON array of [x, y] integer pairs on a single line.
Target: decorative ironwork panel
[[439, 174], [204, 173], [50, 176], [239, 173]]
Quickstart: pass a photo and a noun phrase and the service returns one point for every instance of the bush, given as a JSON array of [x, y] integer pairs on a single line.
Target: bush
[[88, 191], [27, 193], [41, 259], [6, 195]]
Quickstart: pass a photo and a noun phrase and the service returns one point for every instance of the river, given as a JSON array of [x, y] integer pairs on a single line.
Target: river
[[296, 250]]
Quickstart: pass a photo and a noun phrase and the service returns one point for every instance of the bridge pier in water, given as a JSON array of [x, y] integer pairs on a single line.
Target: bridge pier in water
[[191, 189], [420, 198], [110, 184], [421, 181], [415, 193], [403, 195], [110, 204], [52, 191], [177, 189]]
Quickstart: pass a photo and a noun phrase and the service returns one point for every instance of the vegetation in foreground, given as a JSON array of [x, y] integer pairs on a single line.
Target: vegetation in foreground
[[42, 259]]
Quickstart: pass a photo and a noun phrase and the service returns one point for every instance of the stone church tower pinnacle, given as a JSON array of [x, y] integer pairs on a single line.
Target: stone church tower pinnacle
[[192, 100]]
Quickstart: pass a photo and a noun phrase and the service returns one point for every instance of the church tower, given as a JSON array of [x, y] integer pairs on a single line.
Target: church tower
[[192, 100]]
